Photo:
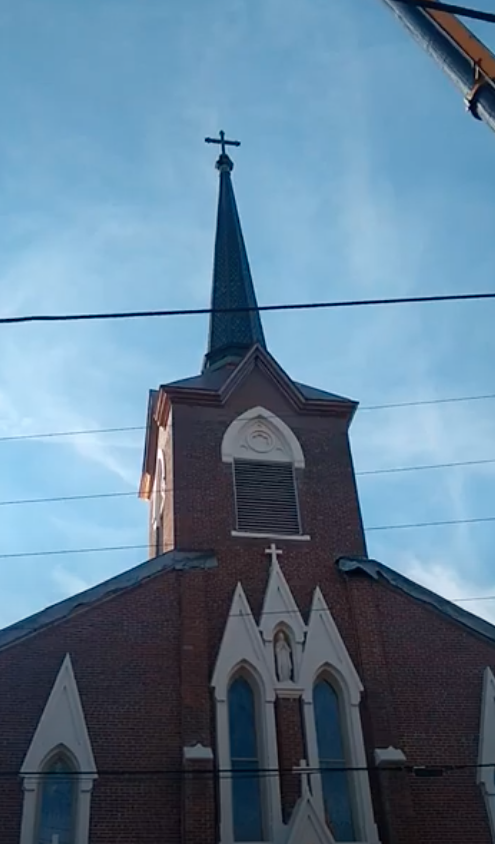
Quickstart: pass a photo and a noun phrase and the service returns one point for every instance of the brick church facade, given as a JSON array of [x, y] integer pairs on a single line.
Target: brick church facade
[[258, 678]]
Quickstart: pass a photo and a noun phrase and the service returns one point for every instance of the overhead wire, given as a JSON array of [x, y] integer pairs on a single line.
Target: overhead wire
[[105, 549], [179, 773], [127, 428], [128, 494], [290, 306]]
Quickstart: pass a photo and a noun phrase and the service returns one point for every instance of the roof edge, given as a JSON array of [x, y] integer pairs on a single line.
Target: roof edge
[[377, 570], [171, 560]]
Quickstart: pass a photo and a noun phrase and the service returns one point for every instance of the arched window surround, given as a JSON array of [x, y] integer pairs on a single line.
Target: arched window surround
[[248, 673], [286, 447], [61, 730], [265, 456], [354, 750], [158, 503], [242, 650], [63, 754]]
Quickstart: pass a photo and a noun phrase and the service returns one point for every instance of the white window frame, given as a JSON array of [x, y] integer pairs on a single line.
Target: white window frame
[[325, 655], [61, 730], [486, 752], [242, 652]]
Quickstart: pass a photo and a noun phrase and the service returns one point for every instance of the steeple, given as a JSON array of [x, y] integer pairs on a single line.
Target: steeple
[[231, 334]]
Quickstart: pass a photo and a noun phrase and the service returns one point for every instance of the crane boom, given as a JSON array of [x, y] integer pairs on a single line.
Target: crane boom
[[465, 59]]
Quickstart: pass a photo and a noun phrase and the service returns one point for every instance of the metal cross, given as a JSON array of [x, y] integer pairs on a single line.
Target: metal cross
[[223, 142], [274, 553]]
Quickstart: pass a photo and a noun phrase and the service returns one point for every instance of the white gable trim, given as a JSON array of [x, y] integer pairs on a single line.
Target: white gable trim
[[326, 653], [486, 749], [306, 825], [62, 726], [281, 611], [325, 646], [242, 650], [284, 444], [241, 645]]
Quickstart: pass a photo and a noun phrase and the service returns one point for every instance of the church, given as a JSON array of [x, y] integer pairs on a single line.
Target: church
[[258, 678]]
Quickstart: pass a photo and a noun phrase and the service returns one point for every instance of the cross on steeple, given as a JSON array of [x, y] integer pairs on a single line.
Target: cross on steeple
[[223, 142]]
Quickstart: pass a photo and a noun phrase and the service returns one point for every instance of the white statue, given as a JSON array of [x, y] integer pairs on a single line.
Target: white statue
[[283, 657]]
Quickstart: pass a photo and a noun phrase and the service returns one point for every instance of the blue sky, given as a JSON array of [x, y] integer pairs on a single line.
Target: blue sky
[[359, 175]]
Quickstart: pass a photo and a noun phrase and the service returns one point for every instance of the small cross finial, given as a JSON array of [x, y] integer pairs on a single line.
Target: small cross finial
[[273, 553], [224, 161], [303, 771]]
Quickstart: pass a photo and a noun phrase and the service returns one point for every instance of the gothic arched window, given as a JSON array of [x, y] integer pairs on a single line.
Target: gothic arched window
[[333, 760], [57, 803], [245, 762], [265, 455]]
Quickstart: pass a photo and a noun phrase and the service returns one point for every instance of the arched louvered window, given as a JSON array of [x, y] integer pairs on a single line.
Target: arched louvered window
[[333, 759], [266, 497], [245, 762], [265, 456], [57, 803]]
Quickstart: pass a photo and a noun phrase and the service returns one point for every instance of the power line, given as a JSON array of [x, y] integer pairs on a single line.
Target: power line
[[178, 773], [461, 11], [127, 428], [104, 549], [119, 494], [296, 306]]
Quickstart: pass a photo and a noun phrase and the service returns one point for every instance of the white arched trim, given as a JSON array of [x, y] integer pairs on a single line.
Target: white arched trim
[[242, 653], [159, 490], [61, 730], [486, 750], [259, 434], [326, 656]]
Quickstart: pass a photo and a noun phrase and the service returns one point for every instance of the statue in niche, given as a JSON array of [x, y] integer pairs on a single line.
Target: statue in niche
[[283, 658]]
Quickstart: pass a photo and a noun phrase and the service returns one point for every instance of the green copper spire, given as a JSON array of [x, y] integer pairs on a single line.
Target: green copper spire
[[231, 334]]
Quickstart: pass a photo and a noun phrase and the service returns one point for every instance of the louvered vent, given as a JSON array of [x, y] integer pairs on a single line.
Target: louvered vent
[[266, 497]]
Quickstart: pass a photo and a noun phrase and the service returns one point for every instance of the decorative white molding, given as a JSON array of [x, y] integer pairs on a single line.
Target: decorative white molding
[[159, 491], [326, 654], [242, 650], [258, 434], [280, 611], [306, 824], [198, 753], [61, 728], [325, 646], [486, 749], [286, 537], [241, 645], [389, 757]]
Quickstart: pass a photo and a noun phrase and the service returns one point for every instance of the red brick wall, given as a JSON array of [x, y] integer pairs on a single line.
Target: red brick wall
[[143, 659]]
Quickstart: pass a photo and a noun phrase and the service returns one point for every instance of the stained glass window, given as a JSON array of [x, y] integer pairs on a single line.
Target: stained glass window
[[335, 782], [246, 791], [57, 804]]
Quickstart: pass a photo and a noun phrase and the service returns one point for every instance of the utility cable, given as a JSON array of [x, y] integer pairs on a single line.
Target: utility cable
[[364, 473], [178, 773], [104, 549], [296, 306], [127, 428]]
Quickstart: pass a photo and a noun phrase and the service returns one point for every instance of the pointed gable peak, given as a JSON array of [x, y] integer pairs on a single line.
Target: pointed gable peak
[[241, 646], [325, 648], [235, 324], [62, 725], [306, 824], [279, 607]]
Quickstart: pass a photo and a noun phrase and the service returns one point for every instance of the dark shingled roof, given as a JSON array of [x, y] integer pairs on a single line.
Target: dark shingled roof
[[231, 334], [376, 570], [172, 560]]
